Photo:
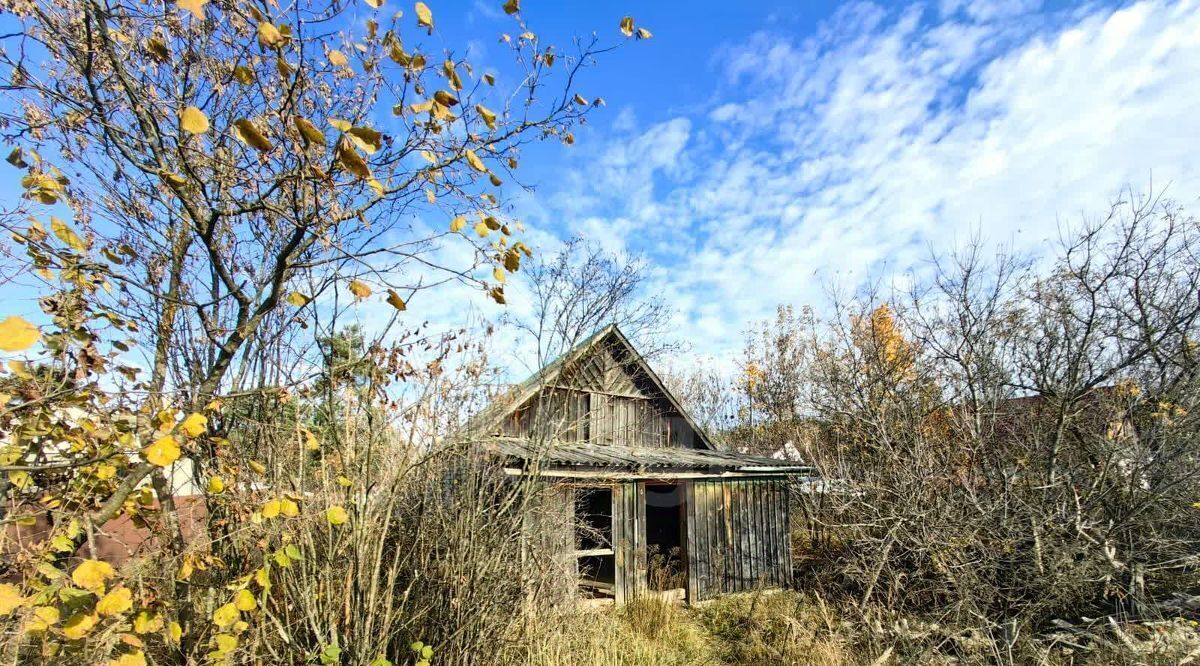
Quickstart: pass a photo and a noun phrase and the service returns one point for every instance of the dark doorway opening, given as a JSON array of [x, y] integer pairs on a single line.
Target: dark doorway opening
[[593, 541], [665, 526]]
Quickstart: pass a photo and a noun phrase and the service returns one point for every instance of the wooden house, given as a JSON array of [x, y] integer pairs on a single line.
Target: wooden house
[[654, 507]]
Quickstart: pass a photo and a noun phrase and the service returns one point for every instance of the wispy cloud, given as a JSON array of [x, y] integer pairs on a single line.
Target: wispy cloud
[[847, 154]]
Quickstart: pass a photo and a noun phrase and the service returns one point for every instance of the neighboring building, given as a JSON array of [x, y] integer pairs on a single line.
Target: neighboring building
[[650, 504]]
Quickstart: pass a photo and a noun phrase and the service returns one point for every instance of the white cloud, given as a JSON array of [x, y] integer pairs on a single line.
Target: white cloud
[[847, 154]]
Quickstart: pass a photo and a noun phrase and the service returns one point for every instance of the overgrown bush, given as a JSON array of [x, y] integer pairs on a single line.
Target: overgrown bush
[[1006, 444]]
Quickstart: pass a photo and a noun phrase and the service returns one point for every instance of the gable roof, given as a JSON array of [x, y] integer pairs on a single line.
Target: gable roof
[[522, 393]]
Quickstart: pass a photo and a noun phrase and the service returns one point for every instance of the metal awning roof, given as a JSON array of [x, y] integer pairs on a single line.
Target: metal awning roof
[[578, 457]]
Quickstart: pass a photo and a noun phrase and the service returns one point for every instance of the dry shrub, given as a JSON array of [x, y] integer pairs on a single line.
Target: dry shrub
[[779, 628], [647, 631]]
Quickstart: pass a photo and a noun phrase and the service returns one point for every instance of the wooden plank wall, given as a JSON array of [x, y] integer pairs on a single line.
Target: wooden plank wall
[[629, 540], [737, 536]]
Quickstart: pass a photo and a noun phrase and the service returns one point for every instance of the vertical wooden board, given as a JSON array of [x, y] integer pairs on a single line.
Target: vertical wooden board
[[711, 523], [780, 537], [787, 531], [735, 537], [726, 538], [783, 539], [751, 535], [739, 552], [690, 545], [748, 534], [764, 534], [699, 558], [752, 531], [772, 525], [643, 562], [733, 571], [619, 543]]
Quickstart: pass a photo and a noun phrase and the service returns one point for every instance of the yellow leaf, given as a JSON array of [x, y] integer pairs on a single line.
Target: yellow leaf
[[337, 58], [10, 598], [216, 485], [67, 235], [78, 625], [489, 118], [359, 289], [194, 425], [193, 120], [16, 334], [474, 161], [457, 224], [309, 131], [512, 7], [643, 33], [351, 161], [374, 4], [344, 481], [395, 301], [269, 35], [43, 618], [310, 441], [226, 615], [336, 515], [366, 138], [20, 369], [424, 16], [499, 275], [482, 229], [247, 133], [163, 452], [263, 577], [580, 100], [288, 508], [146, 622], [135, 658], [444, 98], [115, 603], [271, 509], [20, 480], [340, 125], [245, 600], [91, 574], [243, 75], [175, 631], [297, 299], [258, 467], [226, 642], [185, 569], [196, 7], [627, 26]]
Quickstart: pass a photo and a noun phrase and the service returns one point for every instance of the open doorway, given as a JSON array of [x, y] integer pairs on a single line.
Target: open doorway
[[593, 541], [665, 525]]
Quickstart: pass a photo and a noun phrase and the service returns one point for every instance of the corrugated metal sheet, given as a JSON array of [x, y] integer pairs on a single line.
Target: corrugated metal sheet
[[524, 453]]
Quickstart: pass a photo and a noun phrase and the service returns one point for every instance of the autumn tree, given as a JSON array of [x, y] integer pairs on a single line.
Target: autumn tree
[[207, 185]]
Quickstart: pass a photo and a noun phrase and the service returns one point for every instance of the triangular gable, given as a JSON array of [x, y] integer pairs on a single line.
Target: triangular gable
[[552, 374]]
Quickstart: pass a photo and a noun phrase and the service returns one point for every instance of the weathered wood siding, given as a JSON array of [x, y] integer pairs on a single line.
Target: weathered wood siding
[[629, 539], [602, 398], [737, 538]]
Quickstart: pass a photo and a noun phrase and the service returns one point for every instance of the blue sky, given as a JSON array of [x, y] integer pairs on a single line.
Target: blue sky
[[757, 152]]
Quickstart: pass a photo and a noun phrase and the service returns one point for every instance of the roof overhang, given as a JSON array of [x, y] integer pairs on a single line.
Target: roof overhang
[[583, 460]]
